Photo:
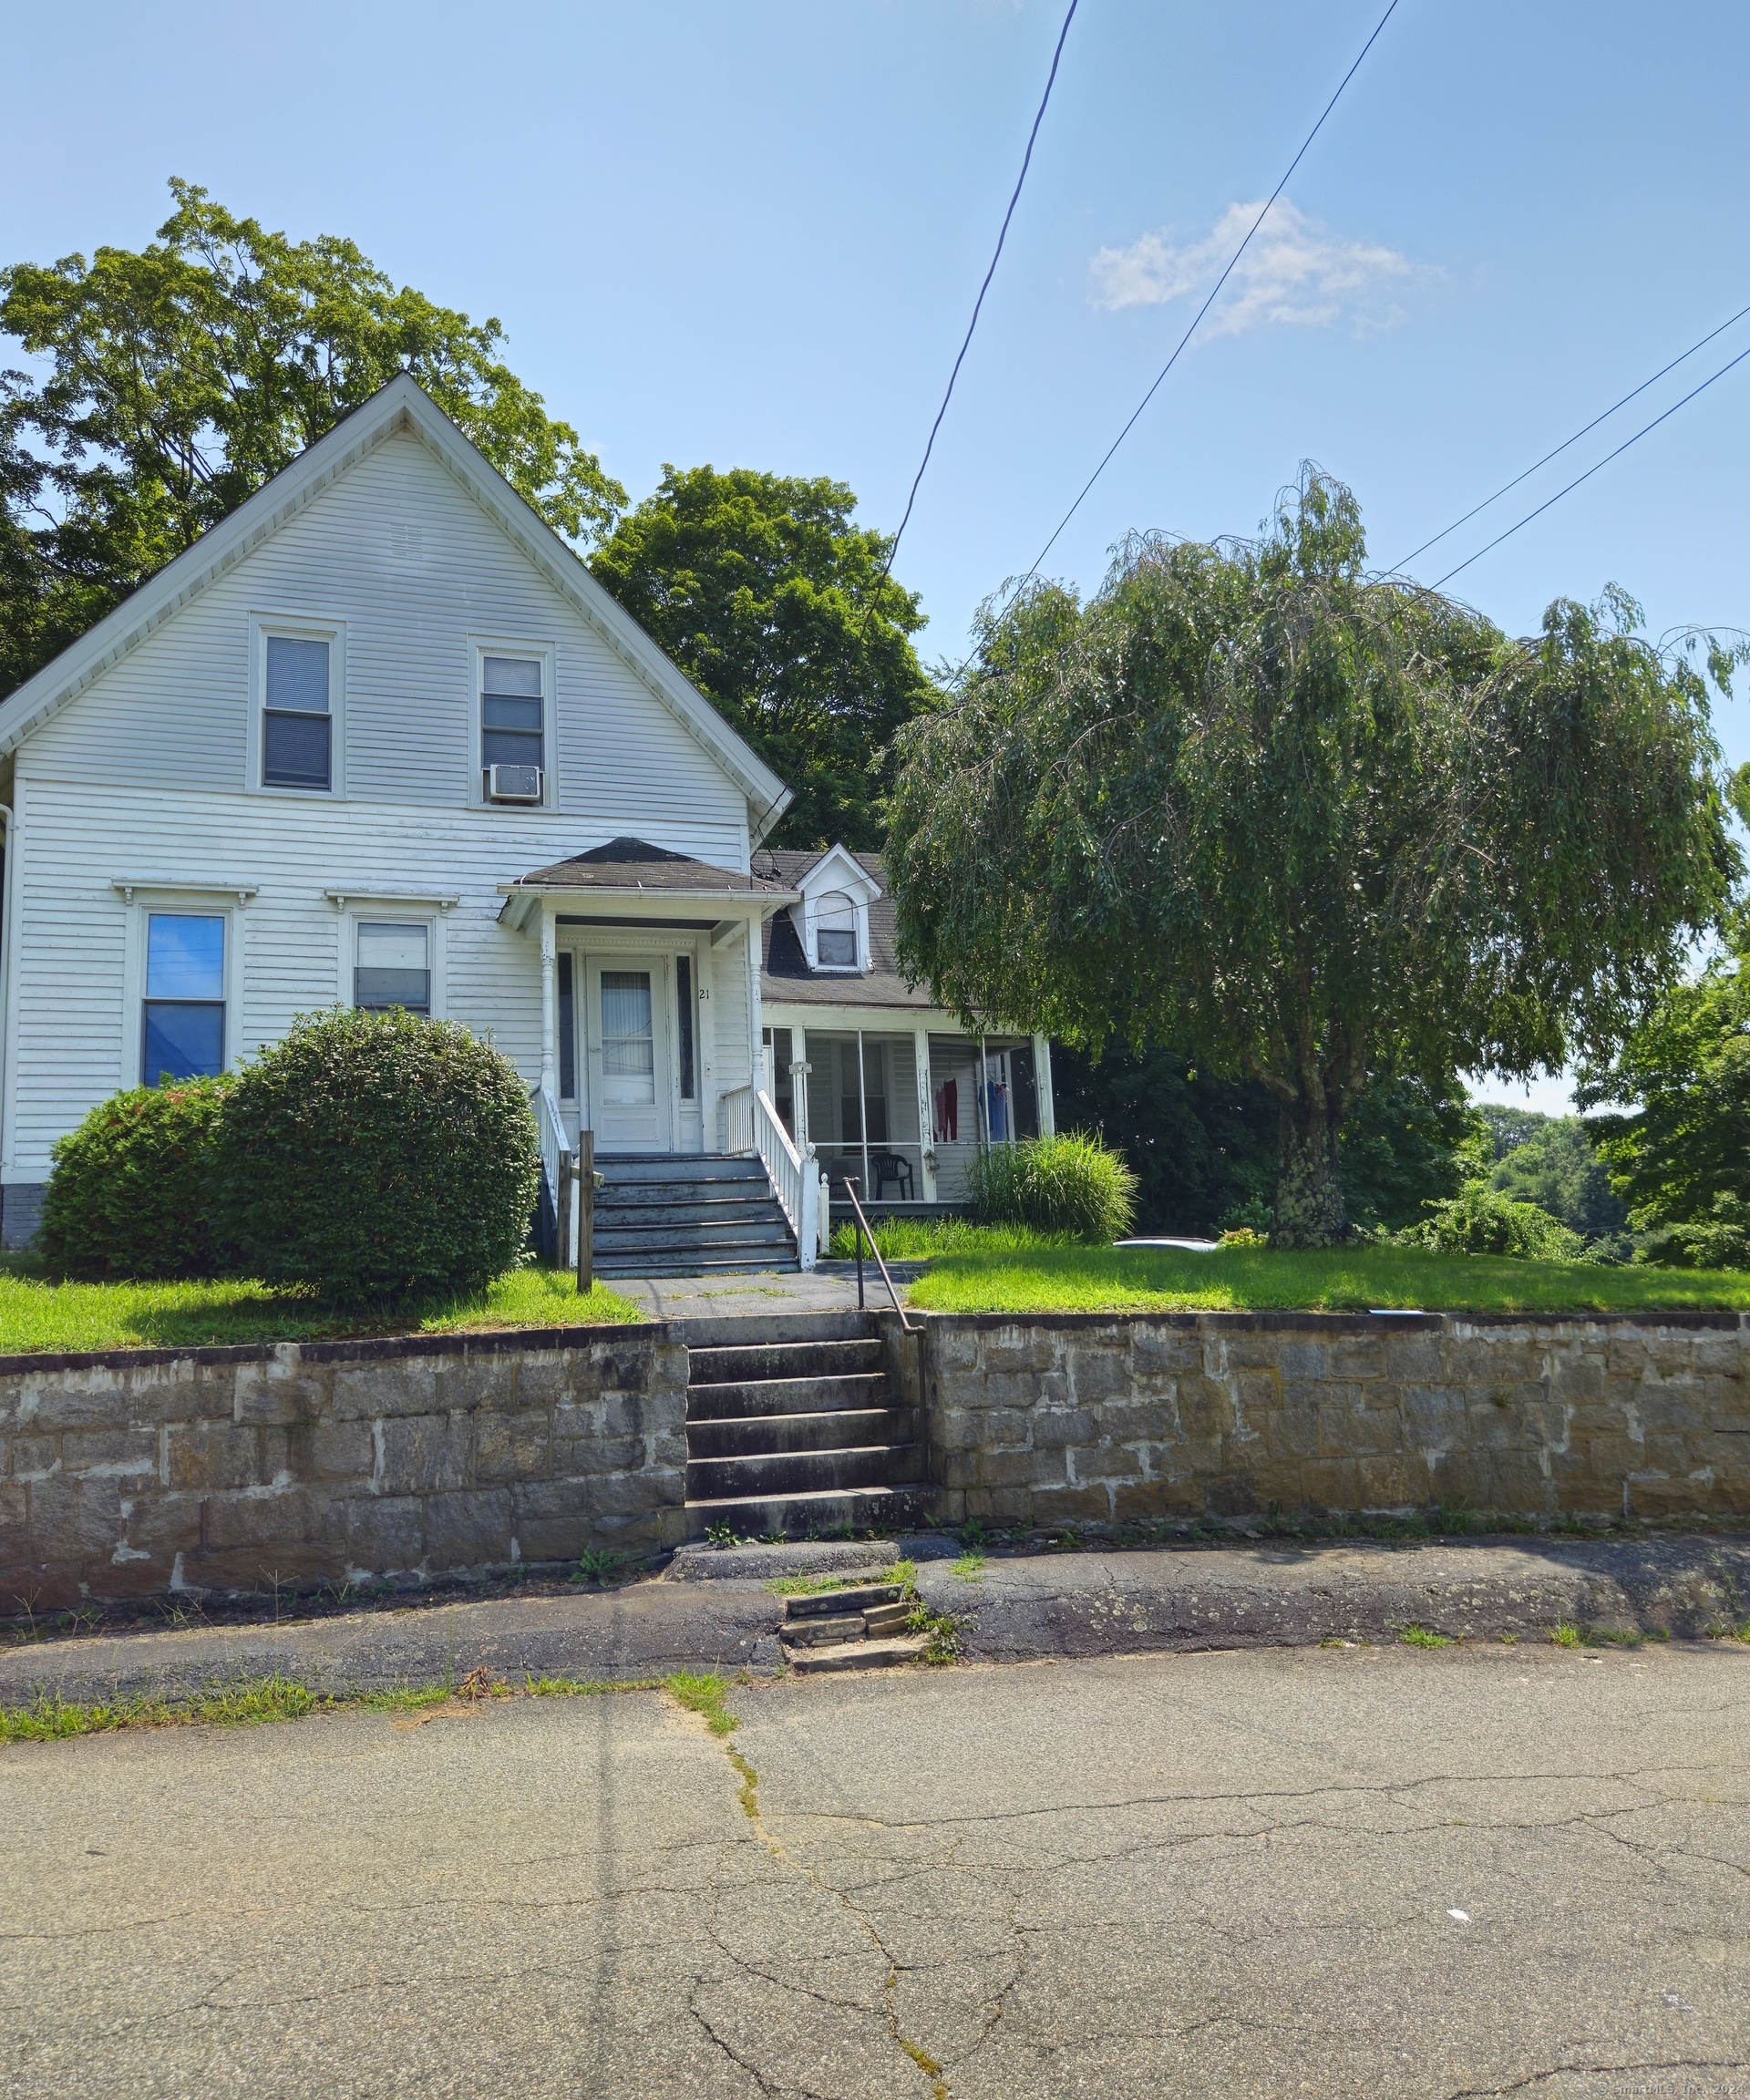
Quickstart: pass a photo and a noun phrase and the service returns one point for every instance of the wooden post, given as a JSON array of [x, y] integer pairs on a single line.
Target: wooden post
[[562, 1213], [585, 1212]]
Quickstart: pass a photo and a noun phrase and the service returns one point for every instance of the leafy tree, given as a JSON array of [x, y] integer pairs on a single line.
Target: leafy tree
[[171, 383], [1682, 1161], [1552, 1164], [772, 602], [1310, 824], [1204, 1149]]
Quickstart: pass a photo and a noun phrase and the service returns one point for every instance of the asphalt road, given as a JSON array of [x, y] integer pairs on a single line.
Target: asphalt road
[[1357, 1871]]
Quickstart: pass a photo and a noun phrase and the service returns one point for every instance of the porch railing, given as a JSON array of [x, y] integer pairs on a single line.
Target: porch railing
[[553, 1145], [796, 1180], [738, 1120]]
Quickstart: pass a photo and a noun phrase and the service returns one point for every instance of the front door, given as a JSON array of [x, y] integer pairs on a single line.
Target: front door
[[628, 1053]]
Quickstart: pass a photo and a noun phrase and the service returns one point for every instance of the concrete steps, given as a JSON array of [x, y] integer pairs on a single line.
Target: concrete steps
[[699, 1214], [791, 1429], [864, 1628]]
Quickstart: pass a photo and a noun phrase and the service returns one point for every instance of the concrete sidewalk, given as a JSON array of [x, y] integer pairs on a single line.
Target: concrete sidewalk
[[831, 1287], [1015, 1608]]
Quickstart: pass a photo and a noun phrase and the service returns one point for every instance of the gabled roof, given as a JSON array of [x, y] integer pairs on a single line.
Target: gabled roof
[[786, 978], [402, 405], [634, 864]]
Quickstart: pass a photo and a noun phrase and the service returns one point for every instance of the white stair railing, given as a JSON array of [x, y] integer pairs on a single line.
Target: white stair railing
[[738, 1120], [553, 1143], [795, 1181]]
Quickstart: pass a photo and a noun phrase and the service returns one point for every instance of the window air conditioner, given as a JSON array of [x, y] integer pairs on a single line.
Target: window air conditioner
[[513, 783]]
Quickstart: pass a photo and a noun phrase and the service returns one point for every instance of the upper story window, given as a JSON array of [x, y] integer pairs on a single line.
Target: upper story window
[[183, 1013], [393, 967], [513, 738], [835, 931], [297, 720]]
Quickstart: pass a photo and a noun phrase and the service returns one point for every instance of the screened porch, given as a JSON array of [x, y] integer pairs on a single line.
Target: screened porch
[[903, 1113]]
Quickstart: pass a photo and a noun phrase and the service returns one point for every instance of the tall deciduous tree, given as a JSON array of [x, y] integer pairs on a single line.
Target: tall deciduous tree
[[169, 384], [775, 604], [1311, 824]]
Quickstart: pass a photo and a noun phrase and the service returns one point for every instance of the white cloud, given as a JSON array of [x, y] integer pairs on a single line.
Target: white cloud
[[1295, 271]]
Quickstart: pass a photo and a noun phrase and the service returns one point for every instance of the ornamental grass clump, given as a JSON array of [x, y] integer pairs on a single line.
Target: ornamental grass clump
[[376, 1156], [131, 1193], [1069, 1184]]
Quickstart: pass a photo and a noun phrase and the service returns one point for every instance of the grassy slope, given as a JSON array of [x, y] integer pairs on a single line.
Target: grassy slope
[[39, 1314], [1241, 1279]]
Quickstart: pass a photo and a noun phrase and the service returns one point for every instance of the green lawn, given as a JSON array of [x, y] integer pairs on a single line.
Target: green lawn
[[37, 1314], [1245, 1279]]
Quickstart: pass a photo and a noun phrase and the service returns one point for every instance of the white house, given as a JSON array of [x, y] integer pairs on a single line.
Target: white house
[[380, 738]]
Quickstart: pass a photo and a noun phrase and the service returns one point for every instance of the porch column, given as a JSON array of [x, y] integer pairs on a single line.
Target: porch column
[[705, 1003], [926, 1117], [548, 1001], [1042, 1086], [799, 1089]]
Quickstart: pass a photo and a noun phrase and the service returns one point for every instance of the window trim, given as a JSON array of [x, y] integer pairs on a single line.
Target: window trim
[[353, 907], [480, 647], [297, 627], [143, 900]]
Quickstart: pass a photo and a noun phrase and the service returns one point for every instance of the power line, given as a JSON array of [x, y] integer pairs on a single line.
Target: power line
[[1592, 470], [1573, 441], [1027, 159], [1219, 282]]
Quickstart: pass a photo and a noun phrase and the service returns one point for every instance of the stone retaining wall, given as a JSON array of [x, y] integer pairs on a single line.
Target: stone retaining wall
[[140, 1471], [1095, 1419]]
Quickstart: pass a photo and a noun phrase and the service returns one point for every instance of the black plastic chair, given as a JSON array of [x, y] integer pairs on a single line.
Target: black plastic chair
[[885, 1167]]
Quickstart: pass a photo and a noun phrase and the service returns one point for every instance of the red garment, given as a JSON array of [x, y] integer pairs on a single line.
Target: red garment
[[948, 1113]]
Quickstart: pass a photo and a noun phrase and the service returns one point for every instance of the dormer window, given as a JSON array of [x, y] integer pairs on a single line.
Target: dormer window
[[834, 932]]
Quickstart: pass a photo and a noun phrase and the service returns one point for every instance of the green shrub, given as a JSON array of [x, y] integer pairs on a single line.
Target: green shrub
[[1719, 1241], [131, 1192], [1068, 1184], [1480, 1221], [378, 1155]]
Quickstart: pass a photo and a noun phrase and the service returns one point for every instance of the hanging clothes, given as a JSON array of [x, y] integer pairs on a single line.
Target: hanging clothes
[[947, 1108], [996, 1105]]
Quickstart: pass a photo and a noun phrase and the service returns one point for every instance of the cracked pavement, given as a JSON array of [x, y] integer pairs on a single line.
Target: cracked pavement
[[1369, 1871]]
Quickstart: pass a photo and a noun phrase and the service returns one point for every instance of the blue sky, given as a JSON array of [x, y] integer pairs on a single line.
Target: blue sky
[[752, 236]]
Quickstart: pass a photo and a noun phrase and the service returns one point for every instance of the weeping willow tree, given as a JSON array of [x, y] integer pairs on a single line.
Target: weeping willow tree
[[1311, 824]]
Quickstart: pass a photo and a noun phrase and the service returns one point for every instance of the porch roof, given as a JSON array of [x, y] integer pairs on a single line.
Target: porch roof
[[636, 865]]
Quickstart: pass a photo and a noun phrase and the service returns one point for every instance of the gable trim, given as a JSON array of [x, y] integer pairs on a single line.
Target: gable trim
[[400, 406]]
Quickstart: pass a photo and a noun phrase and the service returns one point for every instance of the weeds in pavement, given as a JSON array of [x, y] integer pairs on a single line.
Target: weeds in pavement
[[748, 1795], [598, 1564], [1563, 1635], [1423, 1637], [810, 1585], [703, 1693], [254, 1701], [970, 1567]]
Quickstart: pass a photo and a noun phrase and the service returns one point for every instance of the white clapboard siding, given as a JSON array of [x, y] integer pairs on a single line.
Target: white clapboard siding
[[397, 550], [72, 1026]]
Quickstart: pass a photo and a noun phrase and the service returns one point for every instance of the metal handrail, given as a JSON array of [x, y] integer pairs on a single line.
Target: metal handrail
[[862, 1229]]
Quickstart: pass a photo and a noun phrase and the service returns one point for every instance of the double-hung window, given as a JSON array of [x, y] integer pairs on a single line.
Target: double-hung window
[[297, 722], [184, 1020], [834, 932], [513, 741], [393, 967]]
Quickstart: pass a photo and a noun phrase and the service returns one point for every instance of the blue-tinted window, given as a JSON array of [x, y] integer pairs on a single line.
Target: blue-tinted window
[[185, 956], [297, 734], [183, 1016]]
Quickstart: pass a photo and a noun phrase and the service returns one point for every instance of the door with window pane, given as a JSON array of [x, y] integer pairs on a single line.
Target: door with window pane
[[628, 1023]]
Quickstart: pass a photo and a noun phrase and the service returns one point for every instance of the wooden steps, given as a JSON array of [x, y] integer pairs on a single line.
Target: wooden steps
[[687, 1214]]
